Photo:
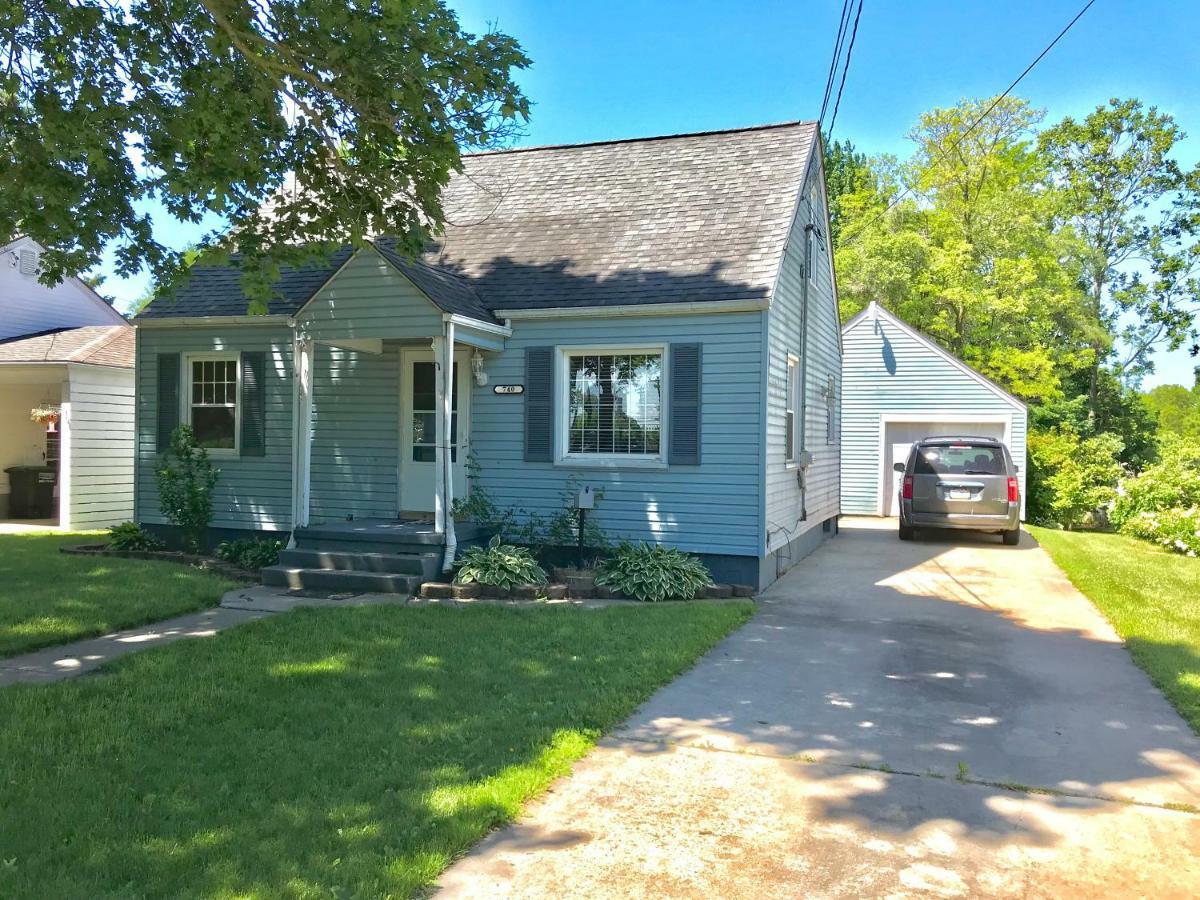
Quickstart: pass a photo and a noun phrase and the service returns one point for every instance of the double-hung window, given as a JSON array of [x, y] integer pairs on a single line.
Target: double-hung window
[[612, 403], [213, 394], [791, 391]]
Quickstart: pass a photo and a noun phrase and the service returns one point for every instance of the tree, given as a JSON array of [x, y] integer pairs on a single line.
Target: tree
[[217, 106], [960, 242], [1176, 409], [846, 171], [1138, 215]]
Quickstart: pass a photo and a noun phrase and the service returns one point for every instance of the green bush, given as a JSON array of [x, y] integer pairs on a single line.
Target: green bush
[[131, 536], [250, 553], [1172, 483], [499, 565], [1177, 530], [185, 477], [652, 574], [1070, 478]]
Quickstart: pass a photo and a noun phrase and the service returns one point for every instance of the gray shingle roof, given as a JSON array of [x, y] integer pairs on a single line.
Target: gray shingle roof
[[692, 217], [99, 345], [695, 217]]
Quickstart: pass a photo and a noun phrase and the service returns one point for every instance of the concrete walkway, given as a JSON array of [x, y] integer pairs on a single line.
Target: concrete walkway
[[943, 718], [237, 607]]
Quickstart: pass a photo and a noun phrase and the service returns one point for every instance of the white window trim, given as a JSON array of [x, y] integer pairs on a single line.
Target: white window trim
[[562, 412], [791, 370], [185, 395]]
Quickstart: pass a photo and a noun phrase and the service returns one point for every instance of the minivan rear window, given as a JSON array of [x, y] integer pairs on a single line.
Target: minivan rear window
[[959, 459]]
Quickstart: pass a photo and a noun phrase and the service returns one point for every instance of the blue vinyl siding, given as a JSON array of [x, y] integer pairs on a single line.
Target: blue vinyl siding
[[356, 433], [252, 492], [890, 372], [710, 508], [783, 501], [368, 298]]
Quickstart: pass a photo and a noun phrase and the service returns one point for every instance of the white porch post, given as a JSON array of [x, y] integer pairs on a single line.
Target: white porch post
[[439, 445], [302, 383], [448, 442]]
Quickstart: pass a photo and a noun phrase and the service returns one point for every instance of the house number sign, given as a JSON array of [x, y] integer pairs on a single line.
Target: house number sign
[[509, 389]]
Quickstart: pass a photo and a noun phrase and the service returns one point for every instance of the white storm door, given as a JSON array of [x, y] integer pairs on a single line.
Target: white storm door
[[418, 428]]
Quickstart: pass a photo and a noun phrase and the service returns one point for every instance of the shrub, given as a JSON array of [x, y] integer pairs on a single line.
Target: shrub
[[651, 574], [1177, 530], [499, 565], [1070, 478], [1172, 483], [185, 477], [250, 553], [131, 536]]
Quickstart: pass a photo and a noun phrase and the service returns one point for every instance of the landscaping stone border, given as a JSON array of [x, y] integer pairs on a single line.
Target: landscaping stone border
[[195, 561], [436, 590]]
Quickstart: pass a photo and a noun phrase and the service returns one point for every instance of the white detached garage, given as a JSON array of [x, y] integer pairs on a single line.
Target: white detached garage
[[899, 386]]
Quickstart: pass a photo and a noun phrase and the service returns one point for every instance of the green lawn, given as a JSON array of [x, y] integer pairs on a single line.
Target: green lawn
[[1152, 599], [47, 597], [325, 752]]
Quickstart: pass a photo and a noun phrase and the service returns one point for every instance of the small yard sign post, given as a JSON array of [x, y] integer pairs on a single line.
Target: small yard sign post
[[584, 501]]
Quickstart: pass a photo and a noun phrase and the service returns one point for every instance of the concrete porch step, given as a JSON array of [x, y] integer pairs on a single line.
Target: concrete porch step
[[423, 564], [298, 578]]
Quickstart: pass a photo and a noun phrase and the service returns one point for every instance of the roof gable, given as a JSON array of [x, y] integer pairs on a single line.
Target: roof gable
[[874, 309]]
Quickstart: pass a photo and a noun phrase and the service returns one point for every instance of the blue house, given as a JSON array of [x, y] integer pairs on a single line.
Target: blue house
[[654, 319]]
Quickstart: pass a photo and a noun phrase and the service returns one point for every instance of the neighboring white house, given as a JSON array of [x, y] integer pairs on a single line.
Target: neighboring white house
[[900, 386], [68, 355]]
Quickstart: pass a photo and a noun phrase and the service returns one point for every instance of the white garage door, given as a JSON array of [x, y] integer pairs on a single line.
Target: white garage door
[[898, 438]]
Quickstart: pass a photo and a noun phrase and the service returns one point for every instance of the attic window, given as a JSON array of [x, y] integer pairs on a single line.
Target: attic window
[[27, 262]]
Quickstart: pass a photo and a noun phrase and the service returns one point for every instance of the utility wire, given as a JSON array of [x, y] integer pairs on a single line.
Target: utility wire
[[986, 113], [846, 68], [843, 22]]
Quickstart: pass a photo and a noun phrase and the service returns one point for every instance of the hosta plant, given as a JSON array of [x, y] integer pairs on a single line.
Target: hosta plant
[[653, 574], [499, 565], [250, 553], [131, 536]]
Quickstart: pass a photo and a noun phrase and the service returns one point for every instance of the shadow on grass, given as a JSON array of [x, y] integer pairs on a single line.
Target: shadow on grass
[[356, 750], [47, 597]]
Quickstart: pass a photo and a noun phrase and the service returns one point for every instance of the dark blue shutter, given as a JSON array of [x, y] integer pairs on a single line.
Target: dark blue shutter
[[684, 421], [167, 419], [254, 432], [539, 404]]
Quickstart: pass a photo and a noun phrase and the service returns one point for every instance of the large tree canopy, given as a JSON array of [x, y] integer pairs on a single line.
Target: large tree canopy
[[214, 106]]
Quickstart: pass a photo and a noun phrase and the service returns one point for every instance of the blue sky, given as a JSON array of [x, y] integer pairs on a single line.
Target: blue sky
[[613, 68]]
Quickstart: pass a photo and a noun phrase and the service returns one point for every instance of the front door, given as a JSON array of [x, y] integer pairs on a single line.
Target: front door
[[418, 428]]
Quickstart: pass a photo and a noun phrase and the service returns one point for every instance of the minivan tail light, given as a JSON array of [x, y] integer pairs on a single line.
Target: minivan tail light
[[906, 491], [1014, 491]]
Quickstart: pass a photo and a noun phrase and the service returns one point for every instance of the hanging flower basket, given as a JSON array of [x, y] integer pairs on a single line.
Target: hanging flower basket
[[45, 414]]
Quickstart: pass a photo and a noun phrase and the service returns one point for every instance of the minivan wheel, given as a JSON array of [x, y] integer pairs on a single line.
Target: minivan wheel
[[907, 532], [1011, 538]]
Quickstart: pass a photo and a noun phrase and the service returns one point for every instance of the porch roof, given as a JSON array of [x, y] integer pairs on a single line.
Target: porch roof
[[97, 345]]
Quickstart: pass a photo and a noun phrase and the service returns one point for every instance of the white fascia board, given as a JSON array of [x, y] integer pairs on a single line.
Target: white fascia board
[[686, 308], [210, 321], [477, 324]]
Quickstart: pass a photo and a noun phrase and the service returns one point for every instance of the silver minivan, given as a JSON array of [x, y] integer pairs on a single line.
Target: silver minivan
[[960, 481]]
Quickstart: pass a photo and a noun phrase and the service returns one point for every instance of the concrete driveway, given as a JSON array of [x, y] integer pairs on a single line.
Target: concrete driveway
[[947, 717]]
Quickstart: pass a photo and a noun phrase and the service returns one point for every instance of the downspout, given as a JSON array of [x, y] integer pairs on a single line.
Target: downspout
[[801, 457], [447, 441]]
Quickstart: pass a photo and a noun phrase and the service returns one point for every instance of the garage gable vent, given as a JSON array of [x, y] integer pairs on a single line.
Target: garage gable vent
[[27, 262]]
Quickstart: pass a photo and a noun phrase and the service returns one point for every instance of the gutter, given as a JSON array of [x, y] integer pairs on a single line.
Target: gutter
[[685, 308], [209, 321]]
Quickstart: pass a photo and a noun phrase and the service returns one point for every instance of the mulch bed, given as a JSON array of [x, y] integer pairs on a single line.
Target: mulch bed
[[208, 563], [433, 590]]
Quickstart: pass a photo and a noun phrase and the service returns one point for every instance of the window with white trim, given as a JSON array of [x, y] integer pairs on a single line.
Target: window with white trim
[[791, 391], [613, 403], [212, 400]]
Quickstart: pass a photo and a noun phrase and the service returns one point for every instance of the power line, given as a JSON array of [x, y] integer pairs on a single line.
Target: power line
[[846, 68], [986, 113], [843, 22]]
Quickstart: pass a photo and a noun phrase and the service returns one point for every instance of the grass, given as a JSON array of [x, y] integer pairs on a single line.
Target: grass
[[325, 752], [47, 597], [1152, 599]]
